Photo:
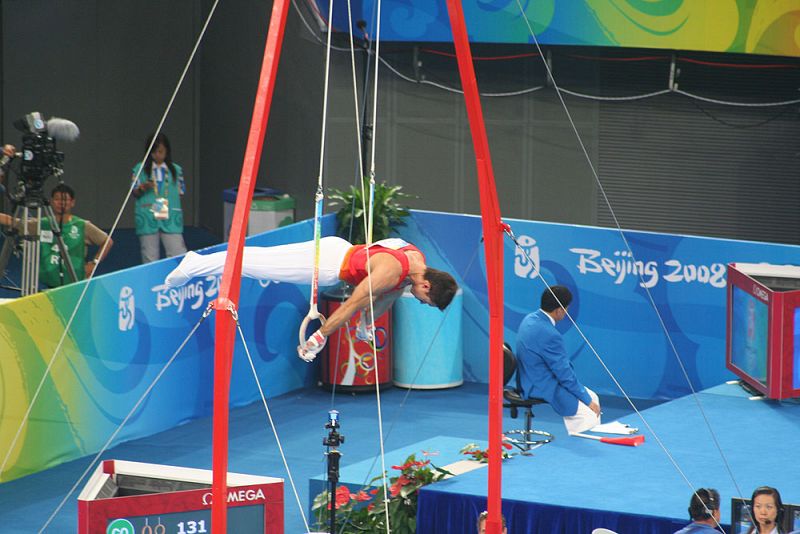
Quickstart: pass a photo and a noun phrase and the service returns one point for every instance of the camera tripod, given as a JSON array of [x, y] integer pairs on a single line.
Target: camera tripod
[[26, 233], [332, 443]]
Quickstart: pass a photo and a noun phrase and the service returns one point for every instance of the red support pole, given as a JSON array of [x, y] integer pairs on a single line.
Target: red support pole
[[232, 274], [493, 248]]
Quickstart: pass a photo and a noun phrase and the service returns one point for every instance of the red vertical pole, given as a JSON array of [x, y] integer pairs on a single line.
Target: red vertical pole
[[232, 274], [493, 248]]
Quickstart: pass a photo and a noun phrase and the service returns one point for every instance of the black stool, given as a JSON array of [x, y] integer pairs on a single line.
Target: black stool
[[526, 441]]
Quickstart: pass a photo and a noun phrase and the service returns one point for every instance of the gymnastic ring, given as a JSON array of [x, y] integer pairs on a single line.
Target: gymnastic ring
[[304, 325]]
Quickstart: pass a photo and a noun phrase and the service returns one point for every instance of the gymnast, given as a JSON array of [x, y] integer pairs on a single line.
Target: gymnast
[[393, 265]]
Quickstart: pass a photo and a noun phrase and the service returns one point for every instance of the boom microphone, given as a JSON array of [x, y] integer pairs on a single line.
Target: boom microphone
[[62, 129]]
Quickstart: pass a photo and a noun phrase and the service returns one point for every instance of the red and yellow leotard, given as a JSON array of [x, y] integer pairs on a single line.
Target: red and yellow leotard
[[354, 266]]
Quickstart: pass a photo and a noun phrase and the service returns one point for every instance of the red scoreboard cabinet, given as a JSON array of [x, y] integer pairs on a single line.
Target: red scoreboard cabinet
[[132, 498], [763, 332]]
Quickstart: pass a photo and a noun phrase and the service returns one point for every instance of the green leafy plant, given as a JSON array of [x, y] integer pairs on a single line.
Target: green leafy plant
[[388, 211], [364, 511]]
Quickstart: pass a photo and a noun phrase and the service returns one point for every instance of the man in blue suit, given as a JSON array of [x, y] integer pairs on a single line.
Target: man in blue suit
[[545, 370]]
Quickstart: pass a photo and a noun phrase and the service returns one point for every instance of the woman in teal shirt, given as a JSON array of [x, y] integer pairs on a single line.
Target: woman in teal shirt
[[159, 216]]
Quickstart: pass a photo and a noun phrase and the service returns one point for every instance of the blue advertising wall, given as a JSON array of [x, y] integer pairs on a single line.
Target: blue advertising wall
[[685, 275], [124, 332], [129, 325]]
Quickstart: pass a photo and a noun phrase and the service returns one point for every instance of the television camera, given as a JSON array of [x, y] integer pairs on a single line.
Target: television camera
[[39, 160]]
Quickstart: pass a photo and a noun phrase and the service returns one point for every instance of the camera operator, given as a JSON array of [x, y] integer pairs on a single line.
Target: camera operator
[[77, 234], [8, 153]]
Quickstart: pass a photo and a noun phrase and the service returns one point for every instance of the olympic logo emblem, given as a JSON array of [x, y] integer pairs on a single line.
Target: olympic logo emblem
[[526, 257], [362, 356]]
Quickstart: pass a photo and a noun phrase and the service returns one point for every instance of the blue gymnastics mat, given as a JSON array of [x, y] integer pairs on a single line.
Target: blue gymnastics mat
[[574, 485]]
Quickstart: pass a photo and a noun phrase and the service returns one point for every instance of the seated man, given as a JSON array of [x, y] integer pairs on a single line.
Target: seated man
[[546, 371], [393, 265], [703, 511]]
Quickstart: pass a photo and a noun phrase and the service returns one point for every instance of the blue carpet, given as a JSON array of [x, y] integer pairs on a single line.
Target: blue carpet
[[575, 485], [300, 417]]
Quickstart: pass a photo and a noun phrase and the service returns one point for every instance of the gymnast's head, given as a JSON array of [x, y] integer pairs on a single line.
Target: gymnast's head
[[436, 289]]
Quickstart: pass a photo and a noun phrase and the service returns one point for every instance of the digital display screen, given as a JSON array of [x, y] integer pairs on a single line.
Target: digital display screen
[[796, 358], [741, 517], [749, 334], [795, 519], [241, 519]]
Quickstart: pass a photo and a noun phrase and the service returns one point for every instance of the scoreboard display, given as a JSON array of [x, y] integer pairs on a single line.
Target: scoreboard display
[[763, 327], [138, 498]]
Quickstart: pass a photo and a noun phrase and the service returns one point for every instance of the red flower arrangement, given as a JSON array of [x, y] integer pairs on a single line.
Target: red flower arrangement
[[477, 454], [402, 502]]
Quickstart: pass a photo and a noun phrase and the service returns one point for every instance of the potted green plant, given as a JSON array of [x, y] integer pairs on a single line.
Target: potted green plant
[[388, 211]]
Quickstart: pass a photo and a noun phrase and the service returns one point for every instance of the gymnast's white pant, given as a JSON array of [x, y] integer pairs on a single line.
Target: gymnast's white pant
[[292, 263]]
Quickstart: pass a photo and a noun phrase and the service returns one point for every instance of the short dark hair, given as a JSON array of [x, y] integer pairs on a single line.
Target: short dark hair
[[482, 517], [443, 287], [704, 501], [555, 297], [63, 188]]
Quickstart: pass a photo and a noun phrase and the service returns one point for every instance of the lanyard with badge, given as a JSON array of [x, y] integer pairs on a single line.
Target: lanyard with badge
[[160, 207]]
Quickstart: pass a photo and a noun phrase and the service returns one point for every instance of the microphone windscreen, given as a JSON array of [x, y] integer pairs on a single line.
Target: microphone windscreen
[[62, 129]]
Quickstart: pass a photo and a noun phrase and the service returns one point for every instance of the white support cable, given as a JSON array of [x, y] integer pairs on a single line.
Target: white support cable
[[739, 104], [458, 91], [319, 199], [611, 375], [368, 218], [613, 98], [369, 223], [647, 290], [271, 423], [325, 104], [57, 350], [360, 170], [355, 89], [377, 40], [400, 406], [673, 73], [126, 419], [670, 89], [384, 474], [311, 30]]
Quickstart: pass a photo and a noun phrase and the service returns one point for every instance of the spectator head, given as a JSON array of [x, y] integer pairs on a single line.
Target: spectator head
[[160, 153], [766, 507], [482, 522], [704, 506]]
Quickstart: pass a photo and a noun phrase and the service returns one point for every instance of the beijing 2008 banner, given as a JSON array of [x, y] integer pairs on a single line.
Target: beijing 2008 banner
[[129, 326], [685, 277], [739, 26], [126, 329]]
